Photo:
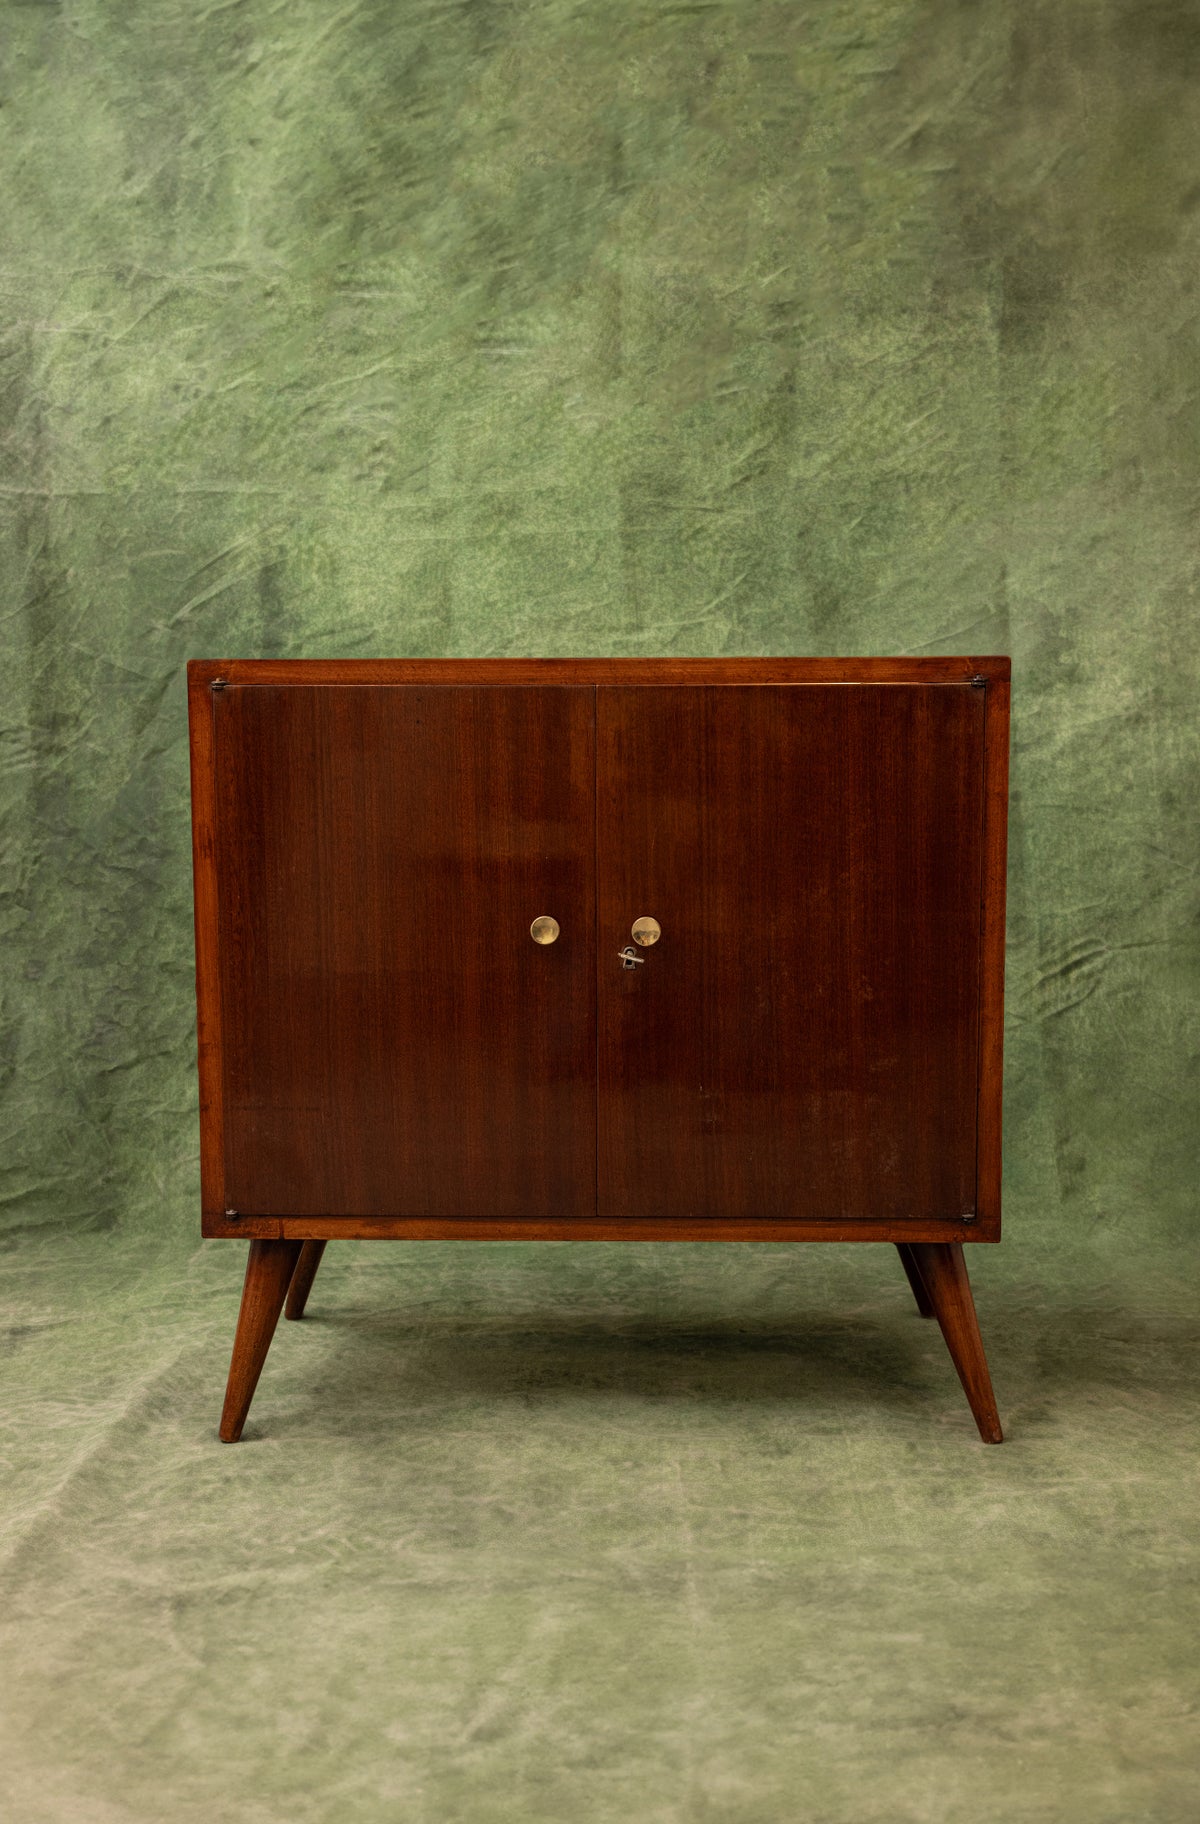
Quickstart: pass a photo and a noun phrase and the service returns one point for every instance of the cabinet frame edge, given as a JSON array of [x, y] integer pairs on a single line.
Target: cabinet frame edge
[[209, 1057], [922, 669], [989, 1119]]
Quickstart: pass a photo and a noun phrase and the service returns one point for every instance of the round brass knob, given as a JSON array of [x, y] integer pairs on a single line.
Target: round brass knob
[[646, 931], [544, 930]]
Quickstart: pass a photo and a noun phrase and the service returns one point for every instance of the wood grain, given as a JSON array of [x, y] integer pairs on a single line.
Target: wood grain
[[269, 1269], [991, 973], [631, 673], [943, 1273], [302, 1279], [394, 1041], [587, 1228], [913, 1275], [802, 1041], [209, 1050]]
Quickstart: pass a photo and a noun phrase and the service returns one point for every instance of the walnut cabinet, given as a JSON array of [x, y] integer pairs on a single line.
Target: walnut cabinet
[[644, 949]]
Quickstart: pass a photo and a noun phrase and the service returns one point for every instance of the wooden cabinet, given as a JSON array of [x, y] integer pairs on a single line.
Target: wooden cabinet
[[807, 1047]]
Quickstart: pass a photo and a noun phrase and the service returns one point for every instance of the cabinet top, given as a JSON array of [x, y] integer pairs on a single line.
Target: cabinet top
[[582, 671]]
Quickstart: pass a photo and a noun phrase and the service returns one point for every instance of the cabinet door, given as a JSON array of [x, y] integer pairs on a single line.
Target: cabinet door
[[394, 1041], [802, 1040]]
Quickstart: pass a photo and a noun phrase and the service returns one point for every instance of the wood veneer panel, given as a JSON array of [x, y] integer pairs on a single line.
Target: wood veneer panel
[[803, 1040], [394, 1042]]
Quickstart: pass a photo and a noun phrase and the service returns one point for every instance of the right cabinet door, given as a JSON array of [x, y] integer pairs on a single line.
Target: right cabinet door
[[802, 1040]]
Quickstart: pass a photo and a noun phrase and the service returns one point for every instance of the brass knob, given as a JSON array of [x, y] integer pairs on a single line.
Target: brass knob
[[646, 931], [544, 930]]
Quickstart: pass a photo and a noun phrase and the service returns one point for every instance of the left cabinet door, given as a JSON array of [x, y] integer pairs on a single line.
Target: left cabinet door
[[393, 1040]]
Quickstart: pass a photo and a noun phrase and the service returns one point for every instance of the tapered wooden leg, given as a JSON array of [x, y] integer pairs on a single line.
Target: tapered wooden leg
[[914, 1278], [268, 1271], [944, 1273], [302, 1278]]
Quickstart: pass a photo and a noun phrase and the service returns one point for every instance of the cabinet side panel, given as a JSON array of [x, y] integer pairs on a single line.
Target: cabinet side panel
[[395, 1042], [991, 1014], [208, 996]]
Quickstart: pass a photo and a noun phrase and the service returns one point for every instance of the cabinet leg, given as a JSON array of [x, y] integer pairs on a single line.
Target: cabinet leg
[[943, 1271], [268, 1272], [904, 1250], [302, 1278]]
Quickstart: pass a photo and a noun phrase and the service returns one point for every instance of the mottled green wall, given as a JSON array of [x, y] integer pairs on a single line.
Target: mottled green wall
[[412, 328]]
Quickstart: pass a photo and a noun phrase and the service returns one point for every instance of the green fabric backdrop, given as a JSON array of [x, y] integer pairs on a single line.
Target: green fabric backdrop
[[401, 327]]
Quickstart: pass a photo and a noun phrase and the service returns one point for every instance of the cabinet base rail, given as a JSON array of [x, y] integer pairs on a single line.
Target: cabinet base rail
[[236, 1225]]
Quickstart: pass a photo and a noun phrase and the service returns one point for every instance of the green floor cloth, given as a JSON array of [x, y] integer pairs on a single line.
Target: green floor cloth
[[670, 1534], [424, 327]]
